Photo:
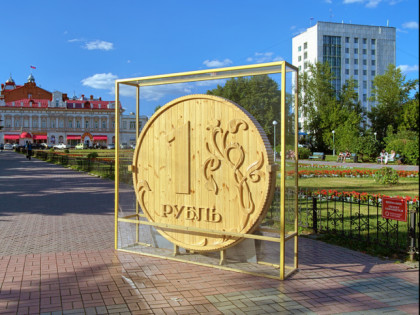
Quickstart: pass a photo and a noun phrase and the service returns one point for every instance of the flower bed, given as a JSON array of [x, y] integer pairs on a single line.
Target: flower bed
[[347, 173]]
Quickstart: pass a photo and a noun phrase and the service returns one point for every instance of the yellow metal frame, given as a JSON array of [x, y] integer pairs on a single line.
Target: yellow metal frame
[[280, 67]]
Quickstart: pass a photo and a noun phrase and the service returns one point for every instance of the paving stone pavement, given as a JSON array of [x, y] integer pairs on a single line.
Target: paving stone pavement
[[57, 257]]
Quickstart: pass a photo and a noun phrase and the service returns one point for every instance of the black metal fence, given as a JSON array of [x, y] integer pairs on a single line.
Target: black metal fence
[[360, 219]]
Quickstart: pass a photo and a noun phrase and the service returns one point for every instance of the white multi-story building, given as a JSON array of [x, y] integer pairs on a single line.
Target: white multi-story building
[[28, 112], [353, 51]]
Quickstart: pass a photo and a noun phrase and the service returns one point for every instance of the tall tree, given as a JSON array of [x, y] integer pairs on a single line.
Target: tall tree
[[259, 95], [326, 110], [391, 91], [317, 100]]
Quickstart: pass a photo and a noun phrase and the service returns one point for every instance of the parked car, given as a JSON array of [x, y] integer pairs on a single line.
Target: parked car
[[133, 146], [123, 146], [111, 146], [81, 146], [46, 146], [61, 146], [15, 145], [8, 146]]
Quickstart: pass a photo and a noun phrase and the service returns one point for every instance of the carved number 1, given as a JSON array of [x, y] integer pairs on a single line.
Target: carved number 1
[[181, 158]]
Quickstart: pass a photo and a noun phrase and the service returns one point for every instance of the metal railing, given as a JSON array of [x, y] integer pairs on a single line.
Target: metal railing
[[360, 219]]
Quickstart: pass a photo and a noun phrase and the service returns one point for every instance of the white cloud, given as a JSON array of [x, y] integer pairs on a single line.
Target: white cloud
[[217, 63], [408, 68], [74, 40], [99, 45], [328, 1], [264, 57], [368, 3], [157, 92], [103, 81], [411, 25]]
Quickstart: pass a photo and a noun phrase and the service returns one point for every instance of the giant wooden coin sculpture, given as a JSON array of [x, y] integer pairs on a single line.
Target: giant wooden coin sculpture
[[203, 161]]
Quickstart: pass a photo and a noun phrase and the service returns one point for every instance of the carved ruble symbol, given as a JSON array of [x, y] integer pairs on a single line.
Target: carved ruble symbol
[[203, 161]]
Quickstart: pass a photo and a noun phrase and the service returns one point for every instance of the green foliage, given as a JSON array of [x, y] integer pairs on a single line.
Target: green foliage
[[410, 115], [66, 151], [367, 147], [404, 143], [326, 109], [304, 153], [52, 150], [386, 176], [391, 91], [92, 155], [260, 96]]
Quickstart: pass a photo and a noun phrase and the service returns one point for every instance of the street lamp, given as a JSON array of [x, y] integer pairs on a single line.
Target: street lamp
[[274, 124], [333, 132], [375, 135]]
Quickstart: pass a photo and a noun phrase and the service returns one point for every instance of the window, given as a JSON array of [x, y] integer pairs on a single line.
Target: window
[[364, 72], [78, 124], [124, 125], [373, 41], [364, 97], [373, 52], [364, 62], [305, 45], [305, 55], [29, 95], [35, 122], [96, 124], [52, 123], [356, 40], [300, 68], [70, 123], [300, 48], [365, 84], [356, 61], [347, 71], [57, 102], [43, 123], [86, 123], [9, 123], [347, 50], [364, 51], [347, 61], [347, 39], [61, 123], [364, 41], [17, 123], [356, 51], [373, 62], [356, 72], [103, 124], [132, 125], [26, 123], [373, 73], [299, 58]]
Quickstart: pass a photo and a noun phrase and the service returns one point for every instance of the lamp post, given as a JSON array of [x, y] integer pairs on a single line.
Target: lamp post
[[375, 135], [333, 132], [274, 124]]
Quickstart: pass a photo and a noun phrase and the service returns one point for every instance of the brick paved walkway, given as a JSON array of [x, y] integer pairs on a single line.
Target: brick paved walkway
[[57, 257]]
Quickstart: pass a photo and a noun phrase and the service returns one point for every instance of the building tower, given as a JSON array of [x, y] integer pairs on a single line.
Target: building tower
[[358, 51]]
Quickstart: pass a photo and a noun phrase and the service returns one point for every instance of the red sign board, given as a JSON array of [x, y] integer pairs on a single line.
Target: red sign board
[[394, 209]]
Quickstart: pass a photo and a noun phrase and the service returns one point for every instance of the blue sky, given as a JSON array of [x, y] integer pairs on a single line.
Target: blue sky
[[81, 47]]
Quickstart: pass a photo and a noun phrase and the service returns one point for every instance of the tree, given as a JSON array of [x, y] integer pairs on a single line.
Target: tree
[[326, 110], [410, 115], [317, 98], [259, 95], [391, 91]]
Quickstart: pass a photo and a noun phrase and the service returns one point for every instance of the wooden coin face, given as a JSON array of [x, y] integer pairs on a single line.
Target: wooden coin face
[[203, 161]]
